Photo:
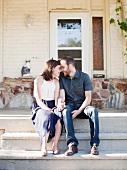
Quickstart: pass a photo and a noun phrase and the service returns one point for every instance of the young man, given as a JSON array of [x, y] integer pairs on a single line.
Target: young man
[[75, 91]]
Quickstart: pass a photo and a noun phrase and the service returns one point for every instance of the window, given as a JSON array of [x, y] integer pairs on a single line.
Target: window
[[98, 53], [69, 35], [70, 40], [97, 23]]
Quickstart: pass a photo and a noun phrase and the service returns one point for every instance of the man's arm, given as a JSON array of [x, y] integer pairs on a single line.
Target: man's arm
[[84, 104]]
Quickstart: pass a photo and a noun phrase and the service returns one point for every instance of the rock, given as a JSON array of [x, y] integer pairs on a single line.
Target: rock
[[104, 93], [122, 86], [95, 96], [23, 100], [111, 88], [116, 101], [105, 85], [98, 104], [1, 104]]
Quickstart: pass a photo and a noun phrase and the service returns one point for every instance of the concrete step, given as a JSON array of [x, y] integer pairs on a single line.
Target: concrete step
[[16, 120], [1, 132], [31, 160], [31, 141], [20, 121]]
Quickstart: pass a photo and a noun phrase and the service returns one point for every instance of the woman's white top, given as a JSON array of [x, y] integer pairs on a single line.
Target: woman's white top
[[48, 90]]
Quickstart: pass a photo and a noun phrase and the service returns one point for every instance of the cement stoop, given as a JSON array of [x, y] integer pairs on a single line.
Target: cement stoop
[[32, 160], [20, 145], [31, 141]]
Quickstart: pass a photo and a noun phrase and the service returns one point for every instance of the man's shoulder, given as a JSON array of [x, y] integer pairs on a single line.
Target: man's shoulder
[[85, 75]]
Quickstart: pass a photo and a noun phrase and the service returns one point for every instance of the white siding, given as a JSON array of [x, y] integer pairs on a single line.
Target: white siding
[[116, 47], [21, 43], [1, 74]]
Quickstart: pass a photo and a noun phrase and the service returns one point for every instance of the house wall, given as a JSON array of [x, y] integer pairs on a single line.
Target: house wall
[[1, 40], [20, 43], [118, 68]]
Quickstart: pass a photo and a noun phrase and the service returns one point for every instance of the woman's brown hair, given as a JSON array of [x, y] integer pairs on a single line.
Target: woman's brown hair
[[49, 65]]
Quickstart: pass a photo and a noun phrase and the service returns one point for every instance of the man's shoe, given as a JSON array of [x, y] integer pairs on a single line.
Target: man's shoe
[[72, 150], [94, 150]]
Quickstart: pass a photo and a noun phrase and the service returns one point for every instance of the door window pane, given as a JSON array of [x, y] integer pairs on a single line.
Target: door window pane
[[78, 64], [69, 33], [76, 54], [73, 53]]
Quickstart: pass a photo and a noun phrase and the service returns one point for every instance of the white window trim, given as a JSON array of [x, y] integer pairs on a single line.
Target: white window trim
[[84, 16], [99, 14], [1, 61]]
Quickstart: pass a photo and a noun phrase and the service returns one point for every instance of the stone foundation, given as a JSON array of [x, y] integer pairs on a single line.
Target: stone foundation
[[16, 93], [107, 93]]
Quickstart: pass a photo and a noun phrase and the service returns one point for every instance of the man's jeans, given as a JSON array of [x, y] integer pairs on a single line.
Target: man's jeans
[[89, 113]]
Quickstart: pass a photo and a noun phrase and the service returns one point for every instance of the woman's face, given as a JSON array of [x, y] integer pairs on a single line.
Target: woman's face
[[56, 71]]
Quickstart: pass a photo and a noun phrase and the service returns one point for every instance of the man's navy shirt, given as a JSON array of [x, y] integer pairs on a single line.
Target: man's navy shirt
[[75, 88]]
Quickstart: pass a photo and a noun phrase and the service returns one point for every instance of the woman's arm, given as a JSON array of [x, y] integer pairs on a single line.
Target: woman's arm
[[57, 91], [38, 94], [62, 95]]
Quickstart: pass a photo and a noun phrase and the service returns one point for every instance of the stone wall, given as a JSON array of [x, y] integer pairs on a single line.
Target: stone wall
[[107, 93], [16, 93]]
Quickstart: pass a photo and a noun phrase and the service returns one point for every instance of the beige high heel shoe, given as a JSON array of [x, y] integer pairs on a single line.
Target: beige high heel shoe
[[44, 153], [55, 151]]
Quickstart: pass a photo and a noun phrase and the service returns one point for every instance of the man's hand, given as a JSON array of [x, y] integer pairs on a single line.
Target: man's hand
[[75, 113]]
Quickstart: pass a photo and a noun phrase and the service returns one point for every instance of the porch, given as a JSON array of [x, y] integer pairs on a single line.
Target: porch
[[28, 31], [20, 145]]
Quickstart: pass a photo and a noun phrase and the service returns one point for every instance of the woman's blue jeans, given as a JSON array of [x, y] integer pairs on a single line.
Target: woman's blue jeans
[[89, 113]]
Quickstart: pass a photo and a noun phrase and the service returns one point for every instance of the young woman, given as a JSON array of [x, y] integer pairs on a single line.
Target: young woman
[[46, 119]]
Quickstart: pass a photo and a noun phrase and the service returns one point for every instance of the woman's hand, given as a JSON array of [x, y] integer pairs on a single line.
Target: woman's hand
[[61, 106], [51, 110]]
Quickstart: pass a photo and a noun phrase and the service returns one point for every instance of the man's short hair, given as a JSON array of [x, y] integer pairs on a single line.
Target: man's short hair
[[69, 60]]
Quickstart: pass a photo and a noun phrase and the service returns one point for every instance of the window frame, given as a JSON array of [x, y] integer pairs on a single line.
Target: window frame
[[84, 16]]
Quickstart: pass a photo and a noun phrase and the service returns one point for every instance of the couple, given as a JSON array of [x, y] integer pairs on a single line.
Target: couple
[[69, 95]]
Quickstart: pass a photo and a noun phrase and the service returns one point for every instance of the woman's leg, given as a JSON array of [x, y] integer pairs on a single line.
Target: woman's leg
[[58, 128], [44, 144], [41, 125]]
